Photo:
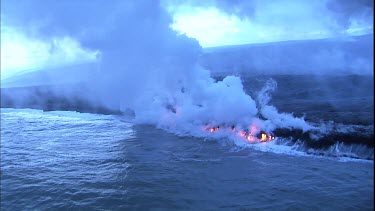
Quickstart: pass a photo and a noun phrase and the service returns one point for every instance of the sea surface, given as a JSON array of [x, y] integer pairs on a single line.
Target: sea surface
[[69, 160]]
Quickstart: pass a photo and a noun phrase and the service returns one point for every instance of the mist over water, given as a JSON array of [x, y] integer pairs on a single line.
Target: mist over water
[[71, 160], [146, 68], [277, 125], [153, 73]]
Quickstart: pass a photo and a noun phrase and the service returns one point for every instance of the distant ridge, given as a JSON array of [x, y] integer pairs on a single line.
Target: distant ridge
[[366, 37], [52, 75], [343, 55]]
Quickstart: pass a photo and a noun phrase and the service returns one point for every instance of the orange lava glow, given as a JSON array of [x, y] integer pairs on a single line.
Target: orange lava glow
[[250, 138], [254, 135], [242, 133], [214, 129], [263, 137]]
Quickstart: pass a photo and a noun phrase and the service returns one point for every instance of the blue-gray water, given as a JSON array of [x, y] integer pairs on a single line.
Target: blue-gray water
[[68, 160]]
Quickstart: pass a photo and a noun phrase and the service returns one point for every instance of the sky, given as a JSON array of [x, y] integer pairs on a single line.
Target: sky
[[212, 23], [220, 22], [20, 53]]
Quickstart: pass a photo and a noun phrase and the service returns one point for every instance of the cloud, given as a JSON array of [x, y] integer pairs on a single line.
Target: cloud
[[21, 54], [266, 21]]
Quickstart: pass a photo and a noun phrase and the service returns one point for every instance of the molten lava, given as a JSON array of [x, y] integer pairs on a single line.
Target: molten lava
[[263, 137], [254, 136], [214, 129]]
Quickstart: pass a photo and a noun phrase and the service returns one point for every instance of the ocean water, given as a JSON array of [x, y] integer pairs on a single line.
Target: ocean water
[[69, 160]]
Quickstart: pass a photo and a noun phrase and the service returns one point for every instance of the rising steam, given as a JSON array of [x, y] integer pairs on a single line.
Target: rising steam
[[148, 69]]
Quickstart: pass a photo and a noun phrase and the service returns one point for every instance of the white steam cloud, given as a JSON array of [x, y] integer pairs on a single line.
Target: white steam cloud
[[145, 66]]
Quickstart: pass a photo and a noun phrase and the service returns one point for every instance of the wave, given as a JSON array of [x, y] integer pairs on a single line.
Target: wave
[[214, 118], [356, 146]]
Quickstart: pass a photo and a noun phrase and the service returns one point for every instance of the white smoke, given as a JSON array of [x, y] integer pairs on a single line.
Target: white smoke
[[148, 68]]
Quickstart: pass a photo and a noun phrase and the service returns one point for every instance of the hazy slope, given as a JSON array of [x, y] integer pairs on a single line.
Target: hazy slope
[[347, 55]]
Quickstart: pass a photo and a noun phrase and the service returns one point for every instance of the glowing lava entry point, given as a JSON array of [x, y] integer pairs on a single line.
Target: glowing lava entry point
[[262, 136]]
